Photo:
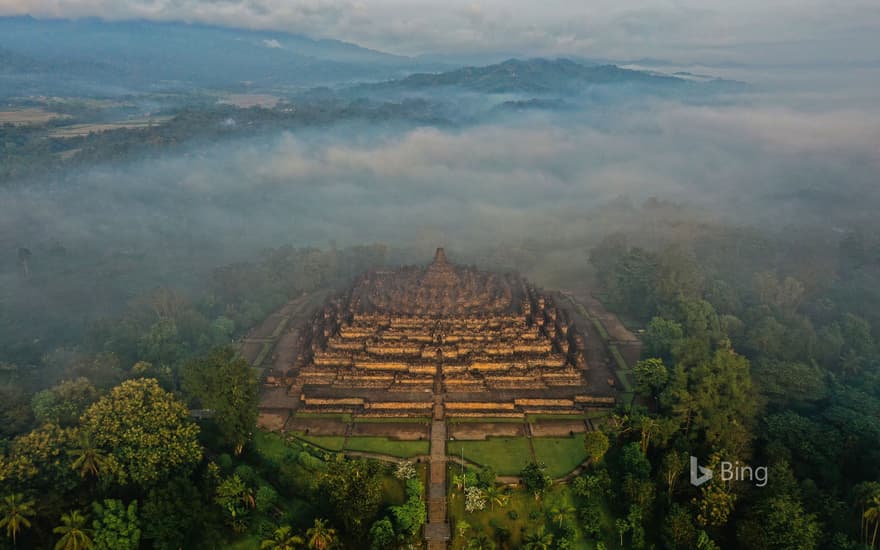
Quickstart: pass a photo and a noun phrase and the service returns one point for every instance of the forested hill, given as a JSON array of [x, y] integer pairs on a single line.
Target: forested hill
[[531, 76], [139, 53]]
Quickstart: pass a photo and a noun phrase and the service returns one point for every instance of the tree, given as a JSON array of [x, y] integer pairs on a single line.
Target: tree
[[539, 540], [283, 538], [354, 490], [146, 429], [382, 535], [651, 376], [64, 403], [622, 526], [474, 499], [235, 498], [405, 470], [15, 510], [596, 444], [559, 514], [225, 382], [480, 542], [320, 537], [780, 523], [495, 495], [116, 525], [88, 459], [410, 516], [866, 495], [38, 459], [173, 515], [872, 516], [671, 467], [535, 479], [73, 531]]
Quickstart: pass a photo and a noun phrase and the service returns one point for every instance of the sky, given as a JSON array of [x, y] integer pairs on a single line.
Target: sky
[[783, 32]]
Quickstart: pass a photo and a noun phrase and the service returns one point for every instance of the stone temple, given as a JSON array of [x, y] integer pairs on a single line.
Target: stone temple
[[442, 340]]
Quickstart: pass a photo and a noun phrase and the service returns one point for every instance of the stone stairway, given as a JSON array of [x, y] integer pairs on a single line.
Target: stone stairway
[[437, 532]]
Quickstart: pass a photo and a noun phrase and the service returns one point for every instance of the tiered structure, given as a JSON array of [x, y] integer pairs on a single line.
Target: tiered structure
[[489, 344]]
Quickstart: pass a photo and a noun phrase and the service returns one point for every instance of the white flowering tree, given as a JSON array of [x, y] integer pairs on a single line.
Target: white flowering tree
[[474, 499], [405, 470]]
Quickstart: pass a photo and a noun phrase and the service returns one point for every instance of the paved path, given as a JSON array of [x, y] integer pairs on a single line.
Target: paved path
[[437, 532]]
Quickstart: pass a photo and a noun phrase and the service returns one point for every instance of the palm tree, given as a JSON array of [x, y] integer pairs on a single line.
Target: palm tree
[[14, 512], [481, 542], [495, 495], [865, 494], [558, 514], [872, 515], [282, 539], [74, 535], [90, 459], [539, 540], [320, 536]]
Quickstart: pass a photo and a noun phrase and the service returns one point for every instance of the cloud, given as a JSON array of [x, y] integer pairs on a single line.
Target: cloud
[[795, 31], [273, 44]]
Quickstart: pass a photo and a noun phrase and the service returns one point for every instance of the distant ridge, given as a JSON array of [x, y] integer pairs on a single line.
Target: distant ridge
[[526, 76]]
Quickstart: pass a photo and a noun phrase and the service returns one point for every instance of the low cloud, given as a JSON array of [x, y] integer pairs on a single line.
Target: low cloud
[[802, 31]]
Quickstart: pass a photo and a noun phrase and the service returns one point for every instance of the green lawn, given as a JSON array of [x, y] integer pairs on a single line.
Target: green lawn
[[328, 442], [507, 455], [560, 454], [383, 445]]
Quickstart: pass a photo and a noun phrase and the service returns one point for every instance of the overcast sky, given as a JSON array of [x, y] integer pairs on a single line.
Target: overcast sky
[[748, 31]]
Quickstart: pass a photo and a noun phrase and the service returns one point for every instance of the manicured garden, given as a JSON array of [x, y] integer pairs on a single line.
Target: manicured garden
[[560, 454], [383, 445], [506, 455]]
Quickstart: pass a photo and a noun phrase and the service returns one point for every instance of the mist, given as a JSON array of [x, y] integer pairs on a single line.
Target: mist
[[556, 181]]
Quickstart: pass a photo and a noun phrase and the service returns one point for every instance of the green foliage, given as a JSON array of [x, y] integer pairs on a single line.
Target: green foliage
[[354, 490], [15, 513], [64, 403], [235, 499], [172, 515], [650, 376], [283, 538], [226, 384], [73, 531], [596, 444], [146, 430], [780, 523], [319, 536], [536, 479], [410, 516], [117, 526], [382, 535]]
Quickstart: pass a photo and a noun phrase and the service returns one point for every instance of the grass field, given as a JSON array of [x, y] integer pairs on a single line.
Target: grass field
[[328, 442], [507, 455], [560, 454], [383, 445]]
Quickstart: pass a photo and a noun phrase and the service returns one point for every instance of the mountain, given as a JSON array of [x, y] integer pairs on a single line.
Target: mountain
[[532, 76], [144, 54]]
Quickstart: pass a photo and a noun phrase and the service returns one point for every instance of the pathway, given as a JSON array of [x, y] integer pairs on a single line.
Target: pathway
[[437, 532]]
